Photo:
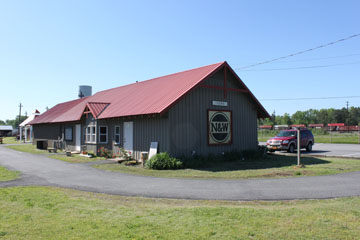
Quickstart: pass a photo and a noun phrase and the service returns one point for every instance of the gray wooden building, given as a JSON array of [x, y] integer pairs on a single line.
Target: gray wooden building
[[199, 111]]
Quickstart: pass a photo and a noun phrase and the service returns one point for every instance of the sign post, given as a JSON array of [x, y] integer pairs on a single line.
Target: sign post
[[330, 136], [298, 147]]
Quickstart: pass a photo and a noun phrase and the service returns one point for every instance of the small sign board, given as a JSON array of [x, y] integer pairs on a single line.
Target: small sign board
[[219, 103], [153, 149]]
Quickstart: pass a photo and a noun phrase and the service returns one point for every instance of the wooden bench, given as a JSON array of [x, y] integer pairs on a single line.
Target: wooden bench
[[52, 150]]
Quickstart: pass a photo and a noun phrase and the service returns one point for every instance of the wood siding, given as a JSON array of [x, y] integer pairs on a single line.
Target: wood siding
[[188, 119]]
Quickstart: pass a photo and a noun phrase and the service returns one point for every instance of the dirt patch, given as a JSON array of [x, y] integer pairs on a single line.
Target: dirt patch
[[286, 174], [278, 174]]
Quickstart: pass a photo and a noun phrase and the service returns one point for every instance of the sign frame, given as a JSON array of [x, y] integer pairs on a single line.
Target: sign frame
[[208, 127], [219, 103]]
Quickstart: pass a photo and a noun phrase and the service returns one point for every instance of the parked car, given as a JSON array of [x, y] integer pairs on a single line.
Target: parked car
[[287, 140]]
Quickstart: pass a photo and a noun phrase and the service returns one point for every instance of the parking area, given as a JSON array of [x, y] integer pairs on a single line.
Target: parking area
[[330, 150]]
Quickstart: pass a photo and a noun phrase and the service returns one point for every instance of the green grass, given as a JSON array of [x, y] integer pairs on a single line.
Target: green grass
[[338, 138], [347, 138], [10, 140], [7, 175], [51, 213], [269, 167], [75, 158]]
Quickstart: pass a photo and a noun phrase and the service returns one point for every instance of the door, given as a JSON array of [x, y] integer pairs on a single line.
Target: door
[[78, 137], [128, 136]]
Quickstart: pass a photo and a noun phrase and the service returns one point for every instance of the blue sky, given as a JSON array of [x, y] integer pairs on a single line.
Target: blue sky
[[49, 48]]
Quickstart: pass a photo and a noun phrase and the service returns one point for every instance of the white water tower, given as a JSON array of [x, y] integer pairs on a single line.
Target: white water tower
[[85, 91]]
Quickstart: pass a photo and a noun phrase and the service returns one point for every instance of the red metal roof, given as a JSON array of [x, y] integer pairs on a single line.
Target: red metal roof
[[63, 112], [154, 96], [297, 125], [316, 125], [96, 108], [336, 124]]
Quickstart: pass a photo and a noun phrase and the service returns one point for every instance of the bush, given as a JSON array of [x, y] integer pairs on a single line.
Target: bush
[[162, 161], [104, 152]]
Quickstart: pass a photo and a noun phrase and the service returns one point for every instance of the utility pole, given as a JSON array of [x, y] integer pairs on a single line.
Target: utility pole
[[20, 133], [298, 147], [347, 115], [20, 106]]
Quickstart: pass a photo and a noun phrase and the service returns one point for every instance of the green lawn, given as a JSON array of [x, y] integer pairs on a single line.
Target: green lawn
[[269, 167], [348, 138], [10, 140], [51, 213], [75, 158], [7, 175]]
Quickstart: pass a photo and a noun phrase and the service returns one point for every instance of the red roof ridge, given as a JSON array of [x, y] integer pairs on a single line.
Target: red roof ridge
[[164, 76], [99, 102]]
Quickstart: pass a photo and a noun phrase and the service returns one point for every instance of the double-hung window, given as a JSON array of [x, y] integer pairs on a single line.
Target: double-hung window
[[117, 135], [90, 134], [103, 134]]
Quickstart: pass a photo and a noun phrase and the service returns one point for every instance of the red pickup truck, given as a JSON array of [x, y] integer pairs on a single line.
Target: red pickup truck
[[287, 140]]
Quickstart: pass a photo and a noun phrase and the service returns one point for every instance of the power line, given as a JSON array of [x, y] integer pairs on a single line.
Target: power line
[[322, 58], [300, 52], [304, 67], [312, 59], [310, 98]]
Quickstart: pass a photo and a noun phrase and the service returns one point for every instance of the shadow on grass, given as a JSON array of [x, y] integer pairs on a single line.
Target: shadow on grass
[[270, 161]]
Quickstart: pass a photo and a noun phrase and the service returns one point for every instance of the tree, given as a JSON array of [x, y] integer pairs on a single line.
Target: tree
[[286, 120], [15, 122], [354, 116]]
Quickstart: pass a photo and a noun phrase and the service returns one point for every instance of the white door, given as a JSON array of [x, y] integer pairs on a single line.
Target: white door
[[77, 137], [128, 136]]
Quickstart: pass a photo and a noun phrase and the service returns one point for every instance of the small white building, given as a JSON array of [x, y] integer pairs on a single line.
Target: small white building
[[26, 130]]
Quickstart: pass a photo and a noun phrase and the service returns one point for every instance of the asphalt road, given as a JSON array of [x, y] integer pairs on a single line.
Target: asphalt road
[[332, 150], [40, 170]]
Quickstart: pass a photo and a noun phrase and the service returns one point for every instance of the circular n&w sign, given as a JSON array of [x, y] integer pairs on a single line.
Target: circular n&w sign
[[219, 127]]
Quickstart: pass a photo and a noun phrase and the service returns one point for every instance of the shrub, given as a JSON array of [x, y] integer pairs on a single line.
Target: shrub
[[162, 161], [126, 155], [104, 152]]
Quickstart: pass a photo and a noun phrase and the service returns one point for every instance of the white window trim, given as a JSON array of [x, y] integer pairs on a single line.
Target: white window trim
[[101, 134], [90, 133]]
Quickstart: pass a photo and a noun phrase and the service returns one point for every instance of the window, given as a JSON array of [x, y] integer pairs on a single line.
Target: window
[[90, 134], [93, 134], [68, 133], [117, 134], [103, 134]]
